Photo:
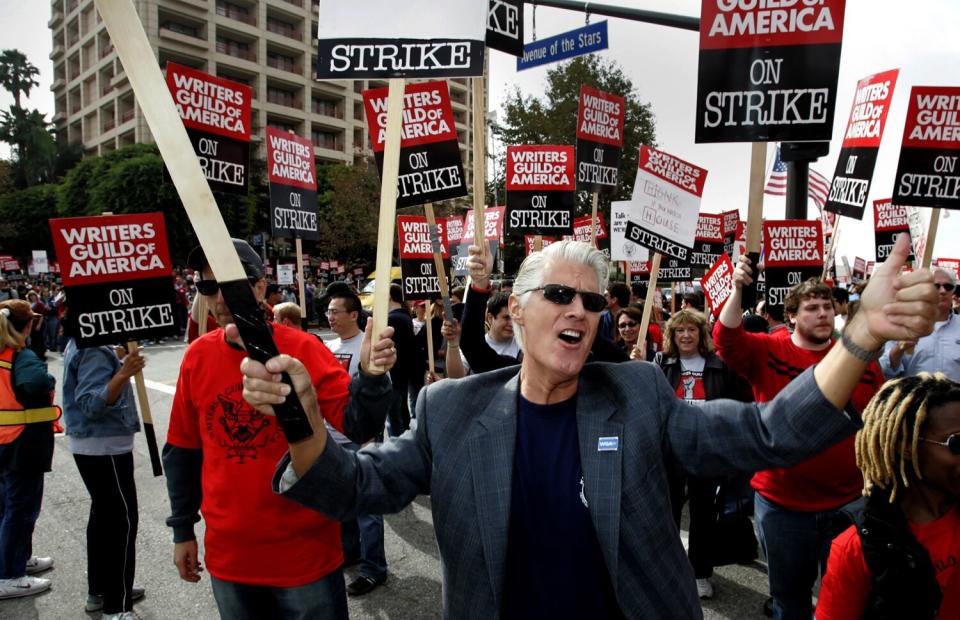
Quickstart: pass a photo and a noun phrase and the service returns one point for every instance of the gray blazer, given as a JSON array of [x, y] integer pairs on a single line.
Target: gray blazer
[[461, 453]]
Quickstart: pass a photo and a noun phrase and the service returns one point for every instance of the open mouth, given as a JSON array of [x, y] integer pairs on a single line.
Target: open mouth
[[571, 336]]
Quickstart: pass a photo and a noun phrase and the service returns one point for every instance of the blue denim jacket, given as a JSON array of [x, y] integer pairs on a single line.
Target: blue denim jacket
[[86, 413]]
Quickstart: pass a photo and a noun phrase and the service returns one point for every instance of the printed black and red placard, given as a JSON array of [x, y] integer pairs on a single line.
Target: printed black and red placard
[[889, 222], [717, 283], [116, 271], [420, 278], [927, 174], [430, 166], [540, 190], [505, 26], [708, 245], [600, 125], [768, 70], [293, 185], [861, 142], [792, 253]]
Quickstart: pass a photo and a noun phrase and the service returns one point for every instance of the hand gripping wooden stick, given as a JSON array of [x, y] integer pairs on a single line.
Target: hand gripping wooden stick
[[148, 431]]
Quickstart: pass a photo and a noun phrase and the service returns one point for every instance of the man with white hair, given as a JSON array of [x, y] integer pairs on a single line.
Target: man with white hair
[[548, 480], [938, 352]]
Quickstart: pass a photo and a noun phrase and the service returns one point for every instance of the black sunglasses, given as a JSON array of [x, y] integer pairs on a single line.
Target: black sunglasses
[[209, 288], [952, 443], [563, 295], [947, 286], [627, 324]]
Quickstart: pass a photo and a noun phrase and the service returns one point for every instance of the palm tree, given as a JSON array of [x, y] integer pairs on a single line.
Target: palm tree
[[17, 74]]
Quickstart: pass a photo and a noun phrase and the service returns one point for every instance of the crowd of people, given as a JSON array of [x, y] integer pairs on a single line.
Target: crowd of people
[[558, 467]]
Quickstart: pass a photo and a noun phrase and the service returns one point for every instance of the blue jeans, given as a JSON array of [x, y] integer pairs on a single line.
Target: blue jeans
[[796, 545], [51, 325], [324, 599], [21, 494], [363, 537]]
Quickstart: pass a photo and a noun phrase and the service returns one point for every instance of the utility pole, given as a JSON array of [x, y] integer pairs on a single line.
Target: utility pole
[[684, 22]]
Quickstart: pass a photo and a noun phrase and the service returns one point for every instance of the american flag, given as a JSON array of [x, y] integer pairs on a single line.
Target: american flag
[[818, 187]]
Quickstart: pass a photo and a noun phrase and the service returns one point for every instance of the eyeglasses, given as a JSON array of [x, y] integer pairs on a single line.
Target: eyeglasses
[[952, 443], [334, 312], [563, 295], [209, 288], [947, 286], [628, 325]]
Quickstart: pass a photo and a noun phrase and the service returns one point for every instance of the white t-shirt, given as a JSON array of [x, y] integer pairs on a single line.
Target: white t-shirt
[[509, 348], [347, 353]]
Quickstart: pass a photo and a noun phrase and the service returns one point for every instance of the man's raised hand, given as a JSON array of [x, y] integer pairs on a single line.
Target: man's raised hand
[[479, 265], [384, 352]]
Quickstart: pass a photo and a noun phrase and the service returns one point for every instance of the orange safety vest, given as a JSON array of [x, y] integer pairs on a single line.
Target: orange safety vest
[[13, 416]]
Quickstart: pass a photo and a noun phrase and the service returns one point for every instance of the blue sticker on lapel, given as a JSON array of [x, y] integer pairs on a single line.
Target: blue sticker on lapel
[[608, 444]]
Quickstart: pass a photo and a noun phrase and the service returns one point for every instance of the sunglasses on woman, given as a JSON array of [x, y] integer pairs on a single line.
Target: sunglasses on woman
[[563, 295], [627, 324], [952, 443], [209, 288]]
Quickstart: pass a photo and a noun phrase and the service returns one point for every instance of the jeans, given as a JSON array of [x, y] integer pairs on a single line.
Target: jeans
[[21, 494], [324, 599], [796, 545], [51, 325], [363, 537]]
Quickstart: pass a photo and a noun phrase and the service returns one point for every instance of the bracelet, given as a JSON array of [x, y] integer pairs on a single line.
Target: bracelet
[[450, 345], [857, 351]]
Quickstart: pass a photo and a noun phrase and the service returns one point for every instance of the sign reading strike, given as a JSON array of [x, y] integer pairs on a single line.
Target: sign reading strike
[[709, 241], [889, 222], [389, 39], [293, 185], [116, 270], [927, 175], [430, 165], [622, 248], [861, 142], [417, 243], [718, 283], [505, 26], [216, 113], [667, 196], [540, 185], [600, 124], [768, 69], [793, 252]]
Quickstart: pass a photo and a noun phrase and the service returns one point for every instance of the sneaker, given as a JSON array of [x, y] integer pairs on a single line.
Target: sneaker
[[364, 585], [38, 565], [704, 588], [23, 586], [126, 615], [95, 601]]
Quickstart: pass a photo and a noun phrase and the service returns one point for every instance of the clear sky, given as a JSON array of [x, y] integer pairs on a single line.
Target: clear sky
[[921, 38]]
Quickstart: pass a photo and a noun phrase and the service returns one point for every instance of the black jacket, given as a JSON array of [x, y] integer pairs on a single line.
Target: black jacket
[[719, 381]]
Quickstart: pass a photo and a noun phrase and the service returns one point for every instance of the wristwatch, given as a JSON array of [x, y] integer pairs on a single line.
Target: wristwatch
[[857, 351]]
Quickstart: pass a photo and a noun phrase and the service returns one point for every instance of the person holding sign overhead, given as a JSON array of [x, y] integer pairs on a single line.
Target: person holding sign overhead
[[548, 480]]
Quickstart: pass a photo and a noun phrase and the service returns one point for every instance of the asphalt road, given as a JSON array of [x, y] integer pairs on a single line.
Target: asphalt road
[[413, 589]]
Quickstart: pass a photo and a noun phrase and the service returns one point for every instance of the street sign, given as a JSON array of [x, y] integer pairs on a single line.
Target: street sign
[[591, 38]]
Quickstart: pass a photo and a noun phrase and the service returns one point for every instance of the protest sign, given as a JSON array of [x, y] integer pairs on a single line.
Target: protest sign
[[889, 222], [505, 26], [600, 124], [622, 248], [216, 113], [540, 185], [430, 165], [871, 265], [285, 273], [673, 269], [768, 70], [638, 272], [927, 171], [116, 270], [492, 225], [420, 275], [388, 39], [9, 263], [920, 223], [949, 264], [293, 185], [861, 142], [718, 283], [666, 196], [709, 241], [859, 270], [583, 230], [731, 223], [530, 243], [792, 253], [40, 264]]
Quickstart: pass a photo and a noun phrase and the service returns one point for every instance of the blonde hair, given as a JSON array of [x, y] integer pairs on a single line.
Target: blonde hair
[[15, 316], [697, 319], [287, 310]]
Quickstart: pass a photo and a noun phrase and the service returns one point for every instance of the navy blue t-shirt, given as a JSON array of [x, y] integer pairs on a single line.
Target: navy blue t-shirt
[[555, 567]]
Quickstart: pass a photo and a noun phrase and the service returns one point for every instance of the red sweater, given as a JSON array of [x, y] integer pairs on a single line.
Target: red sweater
[[769, 362], [253, 535]]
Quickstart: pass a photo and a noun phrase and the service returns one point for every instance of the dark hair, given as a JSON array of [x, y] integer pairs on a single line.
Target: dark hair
[[351, 303], [841, 295], [497, 302], [809, 289], [396, 294], [695, 299], [639, 289], [620, 292], [755, 324], [271, 289]]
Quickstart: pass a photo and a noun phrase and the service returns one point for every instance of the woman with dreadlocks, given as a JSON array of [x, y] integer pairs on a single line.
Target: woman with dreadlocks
[[900, 558]]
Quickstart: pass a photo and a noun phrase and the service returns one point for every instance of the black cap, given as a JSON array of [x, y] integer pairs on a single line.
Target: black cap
[[250, 260]]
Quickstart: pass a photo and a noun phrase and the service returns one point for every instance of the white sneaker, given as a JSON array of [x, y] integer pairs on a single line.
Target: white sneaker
[[704, 588], [126, 615], [38, 564], [23, 586]]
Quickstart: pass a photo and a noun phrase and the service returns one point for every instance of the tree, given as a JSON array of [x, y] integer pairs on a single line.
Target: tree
[[349, 208], [27, 131], [17, 74], [23, 220]]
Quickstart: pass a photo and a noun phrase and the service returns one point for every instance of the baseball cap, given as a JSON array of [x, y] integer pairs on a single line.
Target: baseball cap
[[252, 265]]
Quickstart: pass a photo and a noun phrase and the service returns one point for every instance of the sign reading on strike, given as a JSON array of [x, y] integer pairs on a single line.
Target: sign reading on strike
[[116, 270], [927, 174], [293, 185], [718, 283], [430, 165], [709, 241], [889, 222], [540, 186], [673, 269], [411, 39], [768, 70], [792, 253], [861, 142], [600, 124], [417, 243], [667, 196], [505, 26]]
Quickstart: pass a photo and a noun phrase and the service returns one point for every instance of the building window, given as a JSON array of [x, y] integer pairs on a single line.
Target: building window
[[181, 28], [280, 96], [281, 61], [286, 29], [327, 107], [235, 11], [237, 49], [326, 139]]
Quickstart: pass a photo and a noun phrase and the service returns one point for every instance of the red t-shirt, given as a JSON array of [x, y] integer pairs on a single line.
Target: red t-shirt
[[769, 362], [254, 535], [847, 583]]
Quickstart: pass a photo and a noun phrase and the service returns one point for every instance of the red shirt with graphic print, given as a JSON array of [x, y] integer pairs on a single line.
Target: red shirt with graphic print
[[253, 535]]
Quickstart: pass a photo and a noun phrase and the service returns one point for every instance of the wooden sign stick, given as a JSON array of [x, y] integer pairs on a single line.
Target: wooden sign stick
[[479, 162], [428, 325], [673, 297], [301, 285], [927, 257], [593, 219], [144, 401], [388, 209], [538, 243], [626, 269], [648, 302], [758, 169], [438, 262], [202, 312], [828, 258]]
